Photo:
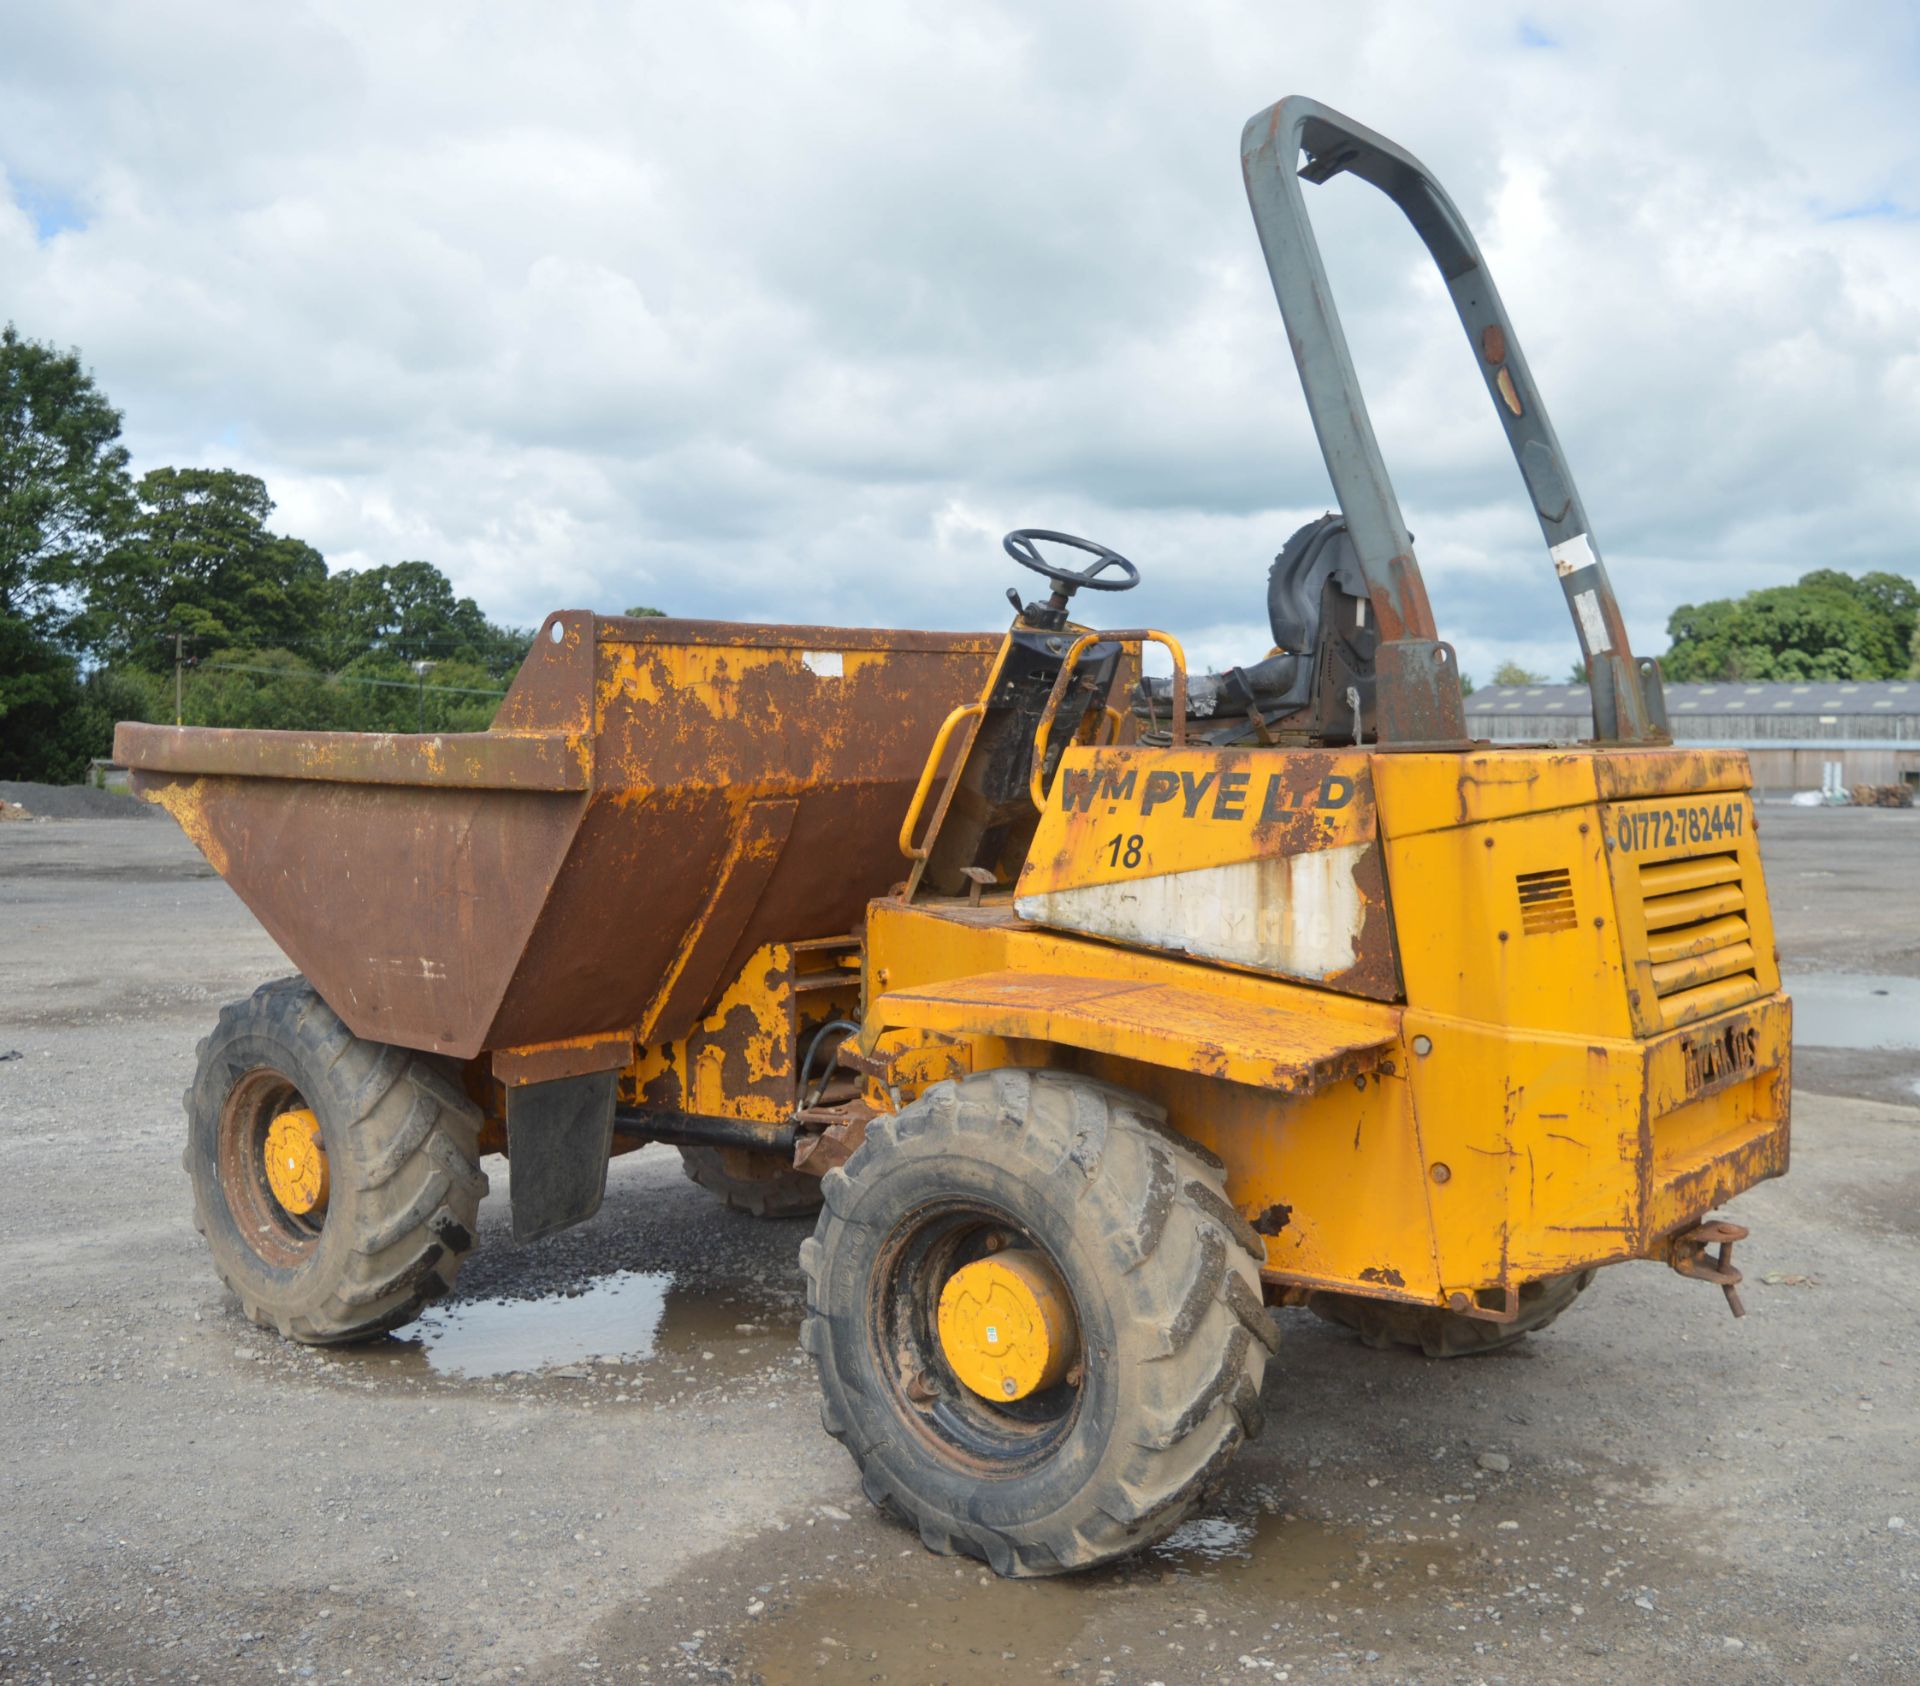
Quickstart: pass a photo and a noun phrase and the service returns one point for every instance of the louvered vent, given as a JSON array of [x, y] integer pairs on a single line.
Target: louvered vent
[[1697, 935], [1546, 901]]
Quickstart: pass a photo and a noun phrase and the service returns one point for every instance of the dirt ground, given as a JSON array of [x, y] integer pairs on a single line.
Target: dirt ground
[[603, 1460]]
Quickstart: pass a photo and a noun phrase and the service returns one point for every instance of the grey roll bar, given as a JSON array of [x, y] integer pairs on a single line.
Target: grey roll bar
[[1419, 686]]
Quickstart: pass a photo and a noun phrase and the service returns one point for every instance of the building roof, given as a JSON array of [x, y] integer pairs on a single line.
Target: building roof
[[1790, 699]]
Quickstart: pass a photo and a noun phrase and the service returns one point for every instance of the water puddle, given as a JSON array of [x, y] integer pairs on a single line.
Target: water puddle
[[963, 1633], [964, 1627], [625, 1322], [617, 1318], [1855, 1010]]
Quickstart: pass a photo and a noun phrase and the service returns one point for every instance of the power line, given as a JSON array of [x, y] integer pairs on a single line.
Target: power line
[[344, 679]]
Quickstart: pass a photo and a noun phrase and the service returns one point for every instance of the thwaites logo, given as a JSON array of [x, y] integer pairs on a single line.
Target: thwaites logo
[[1210, 795], [1724, 1053]]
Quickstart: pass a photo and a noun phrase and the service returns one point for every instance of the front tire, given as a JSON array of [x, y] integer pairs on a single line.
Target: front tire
[[398, 1142], [1171, 1335]]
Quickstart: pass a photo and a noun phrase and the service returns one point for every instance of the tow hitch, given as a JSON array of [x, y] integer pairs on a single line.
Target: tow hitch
[[1688, 1254]]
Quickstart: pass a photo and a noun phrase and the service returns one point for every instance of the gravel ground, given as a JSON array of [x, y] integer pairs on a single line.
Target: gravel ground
[[1649, 1491], [75, 802]]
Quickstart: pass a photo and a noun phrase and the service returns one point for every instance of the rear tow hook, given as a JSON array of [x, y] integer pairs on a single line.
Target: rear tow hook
[[1688, 1254]]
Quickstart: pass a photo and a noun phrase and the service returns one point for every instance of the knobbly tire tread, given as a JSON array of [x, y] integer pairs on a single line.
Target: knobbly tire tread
[[783, 1194], [1445, 1334], [402, 1152], [1147, 1223]]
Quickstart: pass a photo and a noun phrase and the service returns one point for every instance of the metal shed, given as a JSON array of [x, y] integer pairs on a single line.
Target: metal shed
[[1789, 729]]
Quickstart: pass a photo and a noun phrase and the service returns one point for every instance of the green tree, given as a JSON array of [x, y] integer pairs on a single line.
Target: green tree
[[408, 611], [64, 489], [384, 694], [642, 612], [197, 560], [1828, 625], [1512, 673], [39, 703], [274, 690]]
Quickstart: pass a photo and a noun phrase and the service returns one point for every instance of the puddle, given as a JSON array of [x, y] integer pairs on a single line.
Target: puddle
[[963, 1627], [1855, 1010], [618, 1323], [954, 1630], [617, 1318], [1274, 1559]]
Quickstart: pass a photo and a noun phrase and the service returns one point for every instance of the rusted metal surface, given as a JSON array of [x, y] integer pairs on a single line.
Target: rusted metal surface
[[447, 761], [606, 855], [547, 1062], [1286, 1053], [741, 1057], [1691, 1257], [819, 1151]]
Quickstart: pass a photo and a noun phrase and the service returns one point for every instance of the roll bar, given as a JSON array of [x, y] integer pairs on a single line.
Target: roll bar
[[1419, 697]]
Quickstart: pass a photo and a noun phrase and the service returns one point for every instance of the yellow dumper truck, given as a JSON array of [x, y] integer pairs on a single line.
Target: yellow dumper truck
[[1095, 1014]]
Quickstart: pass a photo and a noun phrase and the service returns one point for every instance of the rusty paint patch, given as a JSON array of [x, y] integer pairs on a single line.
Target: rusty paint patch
[[1274, 1219]]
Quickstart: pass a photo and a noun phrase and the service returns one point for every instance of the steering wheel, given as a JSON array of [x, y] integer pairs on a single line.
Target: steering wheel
[[1020, 546]]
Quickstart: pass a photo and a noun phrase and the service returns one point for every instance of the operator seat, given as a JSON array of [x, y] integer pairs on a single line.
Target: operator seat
[[1317, 684]]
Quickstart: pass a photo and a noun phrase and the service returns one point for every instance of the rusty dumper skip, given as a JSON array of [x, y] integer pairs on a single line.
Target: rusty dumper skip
[[1199, 995]]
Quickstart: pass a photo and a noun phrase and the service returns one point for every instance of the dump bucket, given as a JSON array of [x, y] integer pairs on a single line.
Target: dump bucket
[[655, 799]]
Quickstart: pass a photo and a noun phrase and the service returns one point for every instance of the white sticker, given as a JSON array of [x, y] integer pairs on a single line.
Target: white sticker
[[993, 1334], [1570, 554], [824, 663], [1587, 606]]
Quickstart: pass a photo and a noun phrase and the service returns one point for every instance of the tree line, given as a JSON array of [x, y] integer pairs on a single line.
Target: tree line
[[1827, 625], [120, 595]]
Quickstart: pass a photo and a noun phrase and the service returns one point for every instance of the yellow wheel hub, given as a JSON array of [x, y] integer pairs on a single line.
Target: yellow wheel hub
[[297, 1162], [1006, 1326]]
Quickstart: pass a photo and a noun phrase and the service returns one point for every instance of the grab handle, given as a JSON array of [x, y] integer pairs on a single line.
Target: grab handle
[[1036, 778], [966, 711]]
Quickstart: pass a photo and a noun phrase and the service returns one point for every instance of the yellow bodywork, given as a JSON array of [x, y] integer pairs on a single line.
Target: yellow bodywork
[[1454, 1021], [296, 1161]]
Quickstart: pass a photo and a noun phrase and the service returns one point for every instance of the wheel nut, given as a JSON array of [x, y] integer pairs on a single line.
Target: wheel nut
[[1009, 1387]]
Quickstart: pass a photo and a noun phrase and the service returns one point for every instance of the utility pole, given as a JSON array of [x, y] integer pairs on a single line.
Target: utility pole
[[179, 645], [423, 669]]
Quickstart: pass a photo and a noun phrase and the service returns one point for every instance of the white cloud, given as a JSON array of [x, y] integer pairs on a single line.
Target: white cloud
[[786, 311]]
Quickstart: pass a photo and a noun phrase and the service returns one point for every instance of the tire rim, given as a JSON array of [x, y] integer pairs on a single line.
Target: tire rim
[[282, 1238], [956, 1422]]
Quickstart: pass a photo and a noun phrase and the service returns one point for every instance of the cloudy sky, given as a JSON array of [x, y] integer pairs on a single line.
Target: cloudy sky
[[787, 311]]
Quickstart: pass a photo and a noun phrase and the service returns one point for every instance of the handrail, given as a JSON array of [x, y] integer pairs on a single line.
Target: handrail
[[1036, 777], [1419, 691], [966, 711]]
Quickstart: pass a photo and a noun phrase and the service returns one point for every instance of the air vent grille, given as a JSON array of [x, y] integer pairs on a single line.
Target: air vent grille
[[1546, 901], [1698, 939]]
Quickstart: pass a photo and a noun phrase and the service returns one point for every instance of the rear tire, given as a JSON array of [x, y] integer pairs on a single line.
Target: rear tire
[[779, 1193], [1164, 1282], [1446, 1334], [399, 1137]]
